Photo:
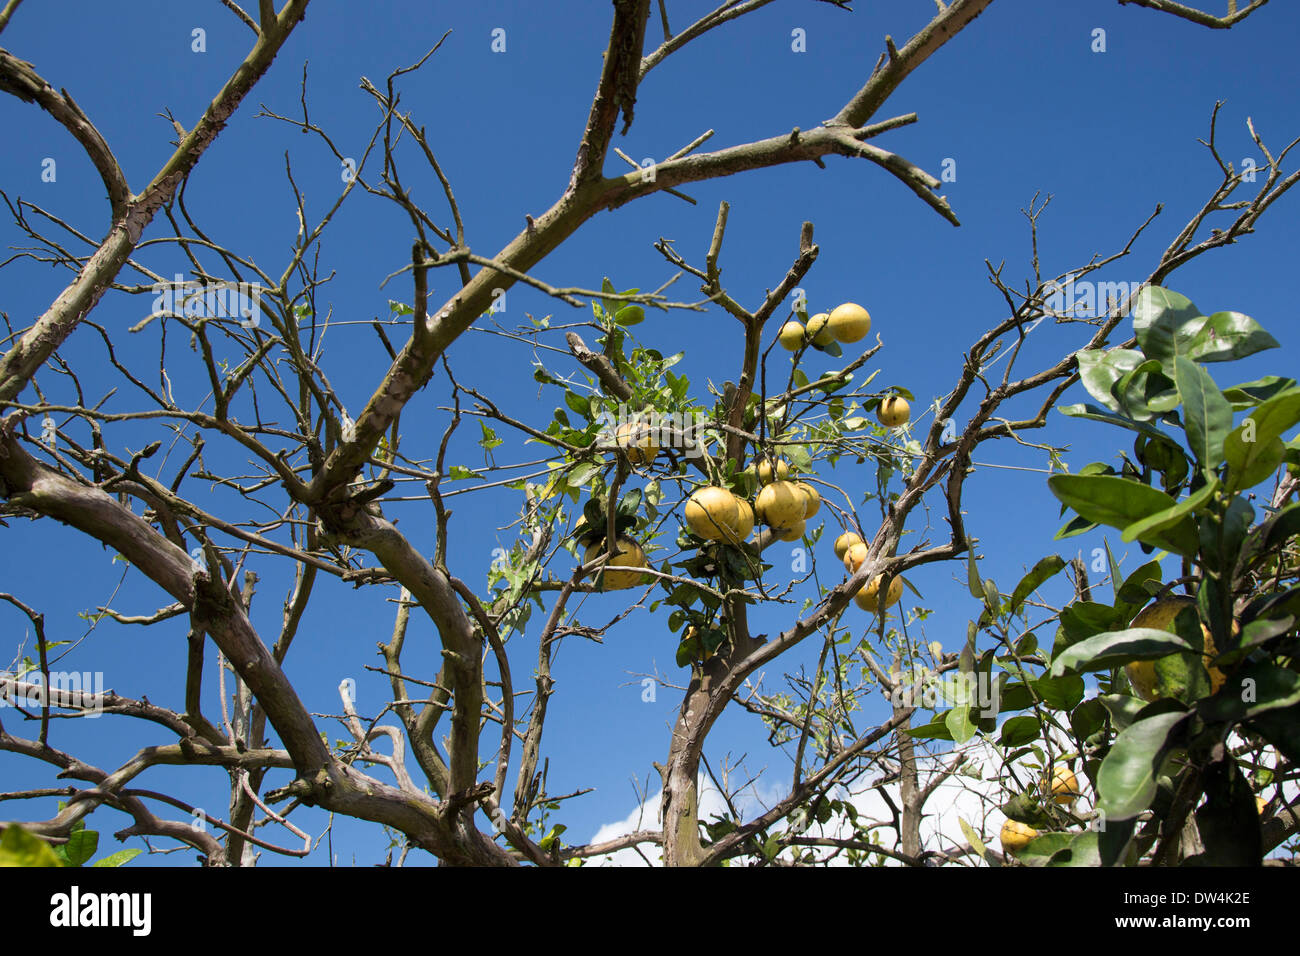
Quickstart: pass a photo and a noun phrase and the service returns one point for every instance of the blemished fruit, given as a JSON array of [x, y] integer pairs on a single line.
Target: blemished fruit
[[794, 532], [854, 556], [764, 471], [868, 597], [1160, 616], [819, 329], [1015, 836], [628, 555], [844, 542], [893, 411], [791, 336], [812, 500], [745, 521], [712, 513], [637, 441], [779, 505], [1065, 786], [849, 322]]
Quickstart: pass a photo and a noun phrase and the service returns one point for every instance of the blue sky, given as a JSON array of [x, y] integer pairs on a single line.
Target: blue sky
[[1019, 102]]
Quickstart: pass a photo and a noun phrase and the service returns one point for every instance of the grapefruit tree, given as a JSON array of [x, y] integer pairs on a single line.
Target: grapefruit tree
[[669, 494]]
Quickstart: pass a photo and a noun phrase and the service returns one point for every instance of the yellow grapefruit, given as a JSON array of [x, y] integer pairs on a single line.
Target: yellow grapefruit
[[893, 411], [638, 441], [628, 554], [812, 500], [779, 505], [844, 542], [712, 513], [867, 597], [849, 322], [819, 329], [791, 336], [1015, 836]]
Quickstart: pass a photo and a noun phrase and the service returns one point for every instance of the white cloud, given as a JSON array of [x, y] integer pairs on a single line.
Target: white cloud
[[972, 798]]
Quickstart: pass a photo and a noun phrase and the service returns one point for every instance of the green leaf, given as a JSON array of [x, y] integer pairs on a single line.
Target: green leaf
[[1272, 418], [1100, 370], [1275, 688], [1116, 573], [1166, 324], [1250, 462], [630, 315], [579, 403], [1278, 728], [1146, 391], [20, 848], [1207, 414], [1020, 730], [1226, 336], [1015, 696], [1127, 779], [1132, 592], [688, 649], [1096, 414], [489, 439], [1060, 693], [1041, 848], [1140, 530], [1040, 572], [550, 841], [120, 858], [936, 729], [1119, 502], [973, 581], [959, 724], [1082, 851], [1024, 808], [972, 837], [1282, 526], [630, 504], [81, 846], [1249, 394], [582, 474], [1122, 708], [1113, 648], [1074, 526], [1088, 718]]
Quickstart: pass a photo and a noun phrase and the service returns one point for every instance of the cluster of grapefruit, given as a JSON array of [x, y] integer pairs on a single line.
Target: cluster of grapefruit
[[846, 323], [715, 513]]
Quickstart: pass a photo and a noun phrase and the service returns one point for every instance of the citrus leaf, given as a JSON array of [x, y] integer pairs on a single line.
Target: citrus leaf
[[1042, 571], [1207, 414], [20, 848], [1127, 779], [120, 858], [1112, 648], [1226, 336], [1119, 502], [1020, 730], [81, 846], [1166, 323], [1171, 516], [959, 724]]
